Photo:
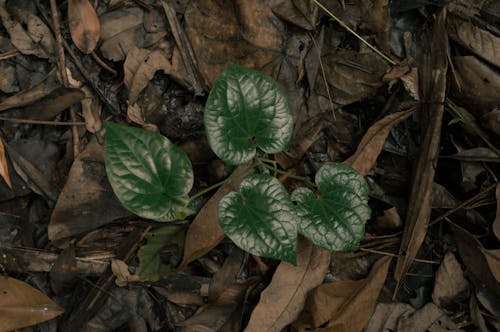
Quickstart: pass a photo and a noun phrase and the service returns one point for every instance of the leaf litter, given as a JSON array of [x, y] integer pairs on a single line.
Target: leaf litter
[[151, 63]]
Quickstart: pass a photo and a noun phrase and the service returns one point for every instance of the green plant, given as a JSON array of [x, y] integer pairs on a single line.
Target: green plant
[[247, 117]]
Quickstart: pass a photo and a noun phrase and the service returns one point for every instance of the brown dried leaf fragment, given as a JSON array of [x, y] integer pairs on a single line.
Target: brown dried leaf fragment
[[344, 306], [84, 25], [4, 167], [371, 145], [496, 223], [22, 305], [282, 301]]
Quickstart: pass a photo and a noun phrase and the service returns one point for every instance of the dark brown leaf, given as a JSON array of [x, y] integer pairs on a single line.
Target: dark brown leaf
[[450, 282], [4, 167]]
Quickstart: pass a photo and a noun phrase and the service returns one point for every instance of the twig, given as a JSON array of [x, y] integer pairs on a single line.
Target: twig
[[103, 64], [40, 122], [390, 254], [64, 75]]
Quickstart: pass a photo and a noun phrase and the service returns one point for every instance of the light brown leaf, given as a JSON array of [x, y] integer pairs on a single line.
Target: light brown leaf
[[496, 223], [22, 305], [282, 301], [84, 25], [345, 305], [4, 167], [372, 142], [139, 67], [205, 233], [449, 282]]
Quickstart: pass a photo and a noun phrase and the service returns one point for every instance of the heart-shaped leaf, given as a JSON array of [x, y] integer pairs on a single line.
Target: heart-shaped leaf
[[336, 219], [246, 109], [261, 219], [149, 174]]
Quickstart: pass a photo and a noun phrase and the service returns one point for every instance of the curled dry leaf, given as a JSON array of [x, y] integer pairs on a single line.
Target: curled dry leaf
[[140, 66], [344, 306], [4, 167], [83, 24], [22, 305], [282, 301], [372, 142]]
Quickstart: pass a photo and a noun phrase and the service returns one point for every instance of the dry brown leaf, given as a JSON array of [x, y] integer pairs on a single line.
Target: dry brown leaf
[[402, 317], [345, 305], [139, 67], [482, 42], [84, 25], [493, 259], [4, 167], [22, 305], [87, 200], [227, 274], [63, 273], [91, 112], [471, 252], [491, 121], [496, 223], [282, 301], [205, 233], [301, 13], [432, 83], [449, 282], [371, 145]]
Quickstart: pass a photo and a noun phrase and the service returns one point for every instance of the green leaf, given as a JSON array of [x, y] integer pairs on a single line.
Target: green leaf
[[261, 219], [246, 109], [336, 219], [151, 265], [150, 175]]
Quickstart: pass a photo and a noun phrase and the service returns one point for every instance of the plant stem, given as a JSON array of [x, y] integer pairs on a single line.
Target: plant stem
[[290, 175], [345, 26]]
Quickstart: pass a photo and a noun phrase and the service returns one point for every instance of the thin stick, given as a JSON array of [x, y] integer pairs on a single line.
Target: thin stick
[[103, 64], [345, 26], [40, 122], [390, 254], [64, 75]]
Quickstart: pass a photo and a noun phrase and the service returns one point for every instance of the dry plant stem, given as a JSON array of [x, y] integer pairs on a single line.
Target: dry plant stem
[[463, 204], [103, 64], [9, 54], [40, 122], [390, 254], [345, 26], [62, 70]]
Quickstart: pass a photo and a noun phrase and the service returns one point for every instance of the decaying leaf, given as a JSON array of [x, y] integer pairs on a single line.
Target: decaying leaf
[[496, 223], [205, 233], [403, 317], [344, 306], [22, 305], [432, 83], [493, 259], [371, 145], [282, 301], [4, 167], [450, 281], [140, 66], [301, 13], [83, 24], [87, 200]]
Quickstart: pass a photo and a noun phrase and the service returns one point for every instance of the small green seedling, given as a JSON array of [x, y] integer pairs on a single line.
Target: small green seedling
[[247, 117]]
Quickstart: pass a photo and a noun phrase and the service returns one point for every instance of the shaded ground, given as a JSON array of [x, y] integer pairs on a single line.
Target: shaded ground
[[414, 108]]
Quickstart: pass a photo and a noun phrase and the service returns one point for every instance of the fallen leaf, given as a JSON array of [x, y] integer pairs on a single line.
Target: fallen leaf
[[449, 282], [301, 13], [63, 273], [282, 301], [83, 24], [184, 289], [140, 67], [480, 41], [227, 274], [432, 83], [493, 259], [344, 306], [403, 317], [212, 317], [91, 112], [87, 200], [491, 121], [496, 223], [4, 167], [372, 142], [122, 273], [22, 305], [205, 233]]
